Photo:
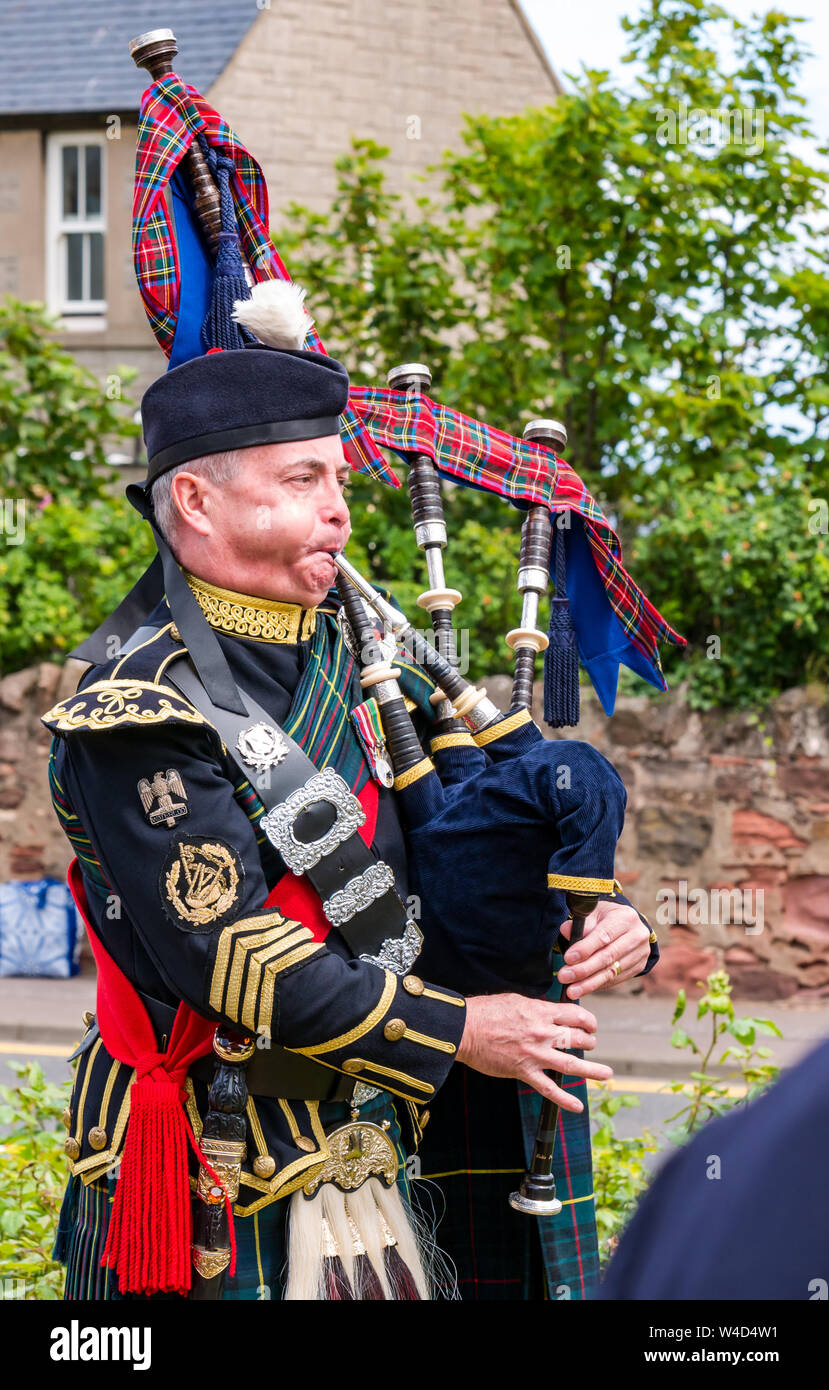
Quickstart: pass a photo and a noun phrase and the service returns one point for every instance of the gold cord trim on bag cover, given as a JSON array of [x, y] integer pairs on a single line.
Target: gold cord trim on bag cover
[[414, 774], [452, 741], [506, 726], [568, 883]]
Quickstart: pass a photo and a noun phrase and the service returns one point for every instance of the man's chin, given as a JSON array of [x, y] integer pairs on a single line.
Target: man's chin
[[319, 580]]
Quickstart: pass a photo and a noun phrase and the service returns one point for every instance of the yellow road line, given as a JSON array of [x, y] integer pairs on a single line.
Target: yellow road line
[[27, 1049], [652, 1084]]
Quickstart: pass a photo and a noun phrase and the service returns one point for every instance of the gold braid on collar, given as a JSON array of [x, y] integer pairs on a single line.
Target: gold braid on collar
[[260, 619]]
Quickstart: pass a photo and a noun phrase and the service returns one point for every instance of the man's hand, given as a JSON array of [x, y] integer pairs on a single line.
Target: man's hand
[[509, 1035], [614, 932]]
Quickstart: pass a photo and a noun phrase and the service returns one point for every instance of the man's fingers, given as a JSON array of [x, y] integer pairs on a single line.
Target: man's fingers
[[566, 1039], [579, 1066], [594, 962], [550, 1091], [630, 965], [573, 1016]]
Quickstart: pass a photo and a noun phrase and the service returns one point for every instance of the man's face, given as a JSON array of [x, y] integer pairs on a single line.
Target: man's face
[[271, 531]]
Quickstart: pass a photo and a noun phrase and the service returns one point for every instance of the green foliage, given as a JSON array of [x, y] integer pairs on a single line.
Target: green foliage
[[620, 1173], [55, 417], [32, 1179], [381, 278], [748, 1064], [750, 585], [75, 566], [80, 546], [654, 280]]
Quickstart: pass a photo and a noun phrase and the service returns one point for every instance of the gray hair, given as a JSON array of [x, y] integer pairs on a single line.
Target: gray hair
[[216, 468]]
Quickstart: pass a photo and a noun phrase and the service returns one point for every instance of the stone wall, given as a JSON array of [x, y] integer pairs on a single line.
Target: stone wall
[[726, 841], [31, 841], [725, 847]]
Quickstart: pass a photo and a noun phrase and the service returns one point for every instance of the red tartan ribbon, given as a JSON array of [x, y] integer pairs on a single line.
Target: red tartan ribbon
[[479, 455]]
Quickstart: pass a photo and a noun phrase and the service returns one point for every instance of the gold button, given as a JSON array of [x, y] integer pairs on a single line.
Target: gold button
[[653, 938], [88, 1019], [307, 1145], [175, 634], [67, 1117], [98, 1137], [413, 985], [394, 1029], [72, 1149], [424, 1117], [264, 1166], [352, 1065]]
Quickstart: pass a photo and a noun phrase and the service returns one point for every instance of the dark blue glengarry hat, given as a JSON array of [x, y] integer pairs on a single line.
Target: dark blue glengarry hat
[[236, 400], [269, 391]]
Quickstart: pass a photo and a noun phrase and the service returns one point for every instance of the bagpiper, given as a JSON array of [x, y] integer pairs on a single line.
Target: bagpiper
[[223, 775]]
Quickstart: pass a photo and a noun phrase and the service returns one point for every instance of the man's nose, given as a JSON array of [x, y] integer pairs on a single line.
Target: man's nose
[[335, 507]]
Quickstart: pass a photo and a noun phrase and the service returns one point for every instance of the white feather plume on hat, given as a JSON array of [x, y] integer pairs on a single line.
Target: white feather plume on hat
[[275, 313]]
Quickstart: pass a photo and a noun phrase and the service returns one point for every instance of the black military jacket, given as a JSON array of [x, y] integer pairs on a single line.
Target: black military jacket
[[148, 794]]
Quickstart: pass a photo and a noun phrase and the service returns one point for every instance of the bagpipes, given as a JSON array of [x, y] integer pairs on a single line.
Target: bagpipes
[[495, 829], [502, 823]]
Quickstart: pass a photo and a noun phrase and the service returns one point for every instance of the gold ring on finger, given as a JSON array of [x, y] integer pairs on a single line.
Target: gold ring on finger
[[617, 969]]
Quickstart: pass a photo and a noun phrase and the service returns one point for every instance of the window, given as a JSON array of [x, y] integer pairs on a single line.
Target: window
[[77, 229]]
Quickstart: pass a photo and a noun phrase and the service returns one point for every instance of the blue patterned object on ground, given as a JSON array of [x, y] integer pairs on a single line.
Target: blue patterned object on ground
[[38, 929]]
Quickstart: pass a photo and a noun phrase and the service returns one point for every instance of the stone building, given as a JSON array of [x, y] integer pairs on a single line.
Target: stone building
[[294, 78]]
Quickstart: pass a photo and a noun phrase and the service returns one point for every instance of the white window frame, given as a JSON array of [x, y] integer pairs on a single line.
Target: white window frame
[[77, 315]]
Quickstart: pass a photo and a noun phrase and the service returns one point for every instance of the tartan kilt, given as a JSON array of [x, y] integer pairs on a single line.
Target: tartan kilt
[[261, 1247], [261, 1239], [478, 1141]]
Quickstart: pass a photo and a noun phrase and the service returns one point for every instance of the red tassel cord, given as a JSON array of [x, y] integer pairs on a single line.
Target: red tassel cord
[[151, 1228], [150, 1232]]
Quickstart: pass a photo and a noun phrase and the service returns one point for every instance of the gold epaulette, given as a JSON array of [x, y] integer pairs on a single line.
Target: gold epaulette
[[107, 704]]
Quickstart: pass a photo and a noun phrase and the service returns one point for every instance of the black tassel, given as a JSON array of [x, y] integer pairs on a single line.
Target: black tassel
[[400, 1277], [365, 1288], [337, 1287], [561, 660], [229, 280]]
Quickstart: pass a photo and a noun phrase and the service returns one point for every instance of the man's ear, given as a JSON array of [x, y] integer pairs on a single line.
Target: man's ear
[[190, 493]]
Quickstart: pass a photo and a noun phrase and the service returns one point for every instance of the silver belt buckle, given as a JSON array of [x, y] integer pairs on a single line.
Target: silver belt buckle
[[359, 893], [278, 824]]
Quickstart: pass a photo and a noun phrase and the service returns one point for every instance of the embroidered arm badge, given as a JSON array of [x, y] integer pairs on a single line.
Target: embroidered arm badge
[[200, 883]]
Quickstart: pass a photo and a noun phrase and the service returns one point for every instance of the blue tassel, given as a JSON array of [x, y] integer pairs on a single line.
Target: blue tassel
[[229, 280], [561, 659]]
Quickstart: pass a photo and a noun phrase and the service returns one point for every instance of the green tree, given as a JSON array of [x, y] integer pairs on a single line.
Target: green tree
[[68, 542], [645, 261], [32, 1178]]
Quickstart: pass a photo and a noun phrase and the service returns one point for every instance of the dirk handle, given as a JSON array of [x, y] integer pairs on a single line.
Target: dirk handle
[[155, 52]]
